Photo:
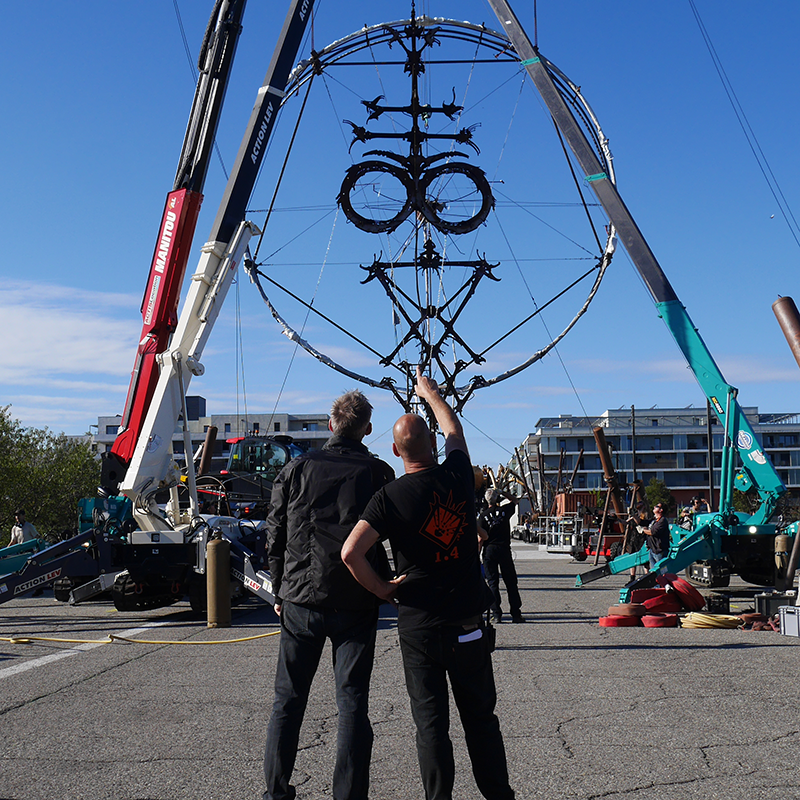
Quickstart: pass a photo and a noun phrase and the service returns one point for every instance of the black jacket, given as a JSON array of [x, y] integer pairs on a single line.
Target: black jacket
[[316, 500]]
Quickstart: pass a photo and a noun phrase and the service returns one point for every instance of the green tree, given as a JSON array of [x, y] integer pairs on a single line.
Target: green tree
[[45, 474], [657, 492]]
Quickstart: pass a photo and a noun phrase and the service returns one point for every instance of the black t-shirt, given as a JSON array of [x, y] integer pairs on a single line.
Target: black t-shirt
[[429, 519], [496, 521], [659, 536]]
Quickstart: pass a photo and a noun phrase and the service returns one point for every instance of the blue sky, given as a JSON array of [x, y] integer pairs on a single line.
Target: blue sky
[[95, 106]]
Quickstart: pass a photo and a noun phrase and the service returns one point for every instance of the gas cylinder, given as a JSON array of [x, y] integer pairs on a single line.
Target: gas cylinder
[[218, 583]]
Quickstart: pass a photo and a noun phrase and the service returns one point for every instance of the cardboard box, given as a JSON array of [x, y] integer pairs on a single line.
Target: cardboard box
[[790, 620]]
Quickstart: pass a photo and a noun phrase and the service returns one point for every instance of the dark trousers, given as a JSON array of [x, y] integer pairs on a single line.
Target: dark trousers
[[497, 561], [430, 657], [304, 630]]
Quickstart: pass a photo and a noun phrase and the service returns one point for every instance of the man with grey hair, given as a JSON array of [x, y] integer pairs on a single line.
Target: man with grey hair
[[428, 516], [316, 500]]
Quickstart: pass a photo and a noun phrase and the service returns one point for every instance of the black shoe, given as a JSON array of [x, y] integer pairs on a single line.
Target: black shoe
[[495, 619], [518, 618]]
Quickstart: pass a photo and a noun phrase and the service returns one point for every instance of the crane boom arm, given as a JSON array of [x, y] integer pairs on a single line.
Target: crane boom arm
[[176, 231], [151, 466], [757, 470]]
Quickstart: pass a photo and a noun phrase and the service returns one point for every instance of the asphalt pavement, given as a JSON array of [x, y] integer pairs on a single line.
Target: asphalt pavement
[[587, 712]]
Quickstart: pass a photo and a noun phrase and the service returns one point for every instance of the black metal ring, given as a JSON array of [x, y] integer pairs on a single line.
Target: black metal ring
[[365, 223], [477, 176]]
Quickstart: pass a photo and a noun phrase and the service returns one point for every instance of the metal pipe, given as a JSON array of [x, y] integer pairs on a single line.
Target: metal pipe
[[575, 471], [208, 450], [191, 482], [789, 320], [560, 469], [540, 468], [710, 457], [791, 568], [725, 501], [601, 535], [608, 470]]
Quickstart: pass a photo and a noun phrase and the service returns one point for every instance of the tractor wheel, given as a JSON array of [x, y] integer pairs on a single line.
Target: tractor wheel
[[614, 551], [62, 588]]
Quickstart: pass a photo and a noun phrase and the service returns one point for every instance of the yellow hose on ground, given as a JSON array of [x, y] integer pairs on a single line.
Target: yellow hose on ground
[[113, 637], [695, 619]]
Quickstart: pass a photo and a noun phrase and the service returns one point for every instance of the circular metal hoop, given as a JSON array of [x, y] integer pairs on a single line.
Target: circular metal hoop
[[429, 208], [365, 223], [416, 200], [420, 193]]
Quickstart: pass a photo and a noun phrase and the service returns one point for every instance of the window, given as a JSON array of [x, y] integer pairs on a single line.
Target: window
[[277, 427], [111, 430], [227, 427], [309, 426], [654, 423], [255, 427]]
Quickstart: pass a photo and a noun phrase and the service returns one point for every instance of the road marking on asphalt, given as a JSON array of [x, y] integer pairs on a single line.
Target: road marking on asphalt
[[533, 552], [72, 651]]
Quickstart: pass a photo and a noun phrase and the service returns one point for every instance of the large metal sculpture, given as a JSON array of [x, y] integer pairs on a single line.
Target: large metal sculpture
[[429, 196]]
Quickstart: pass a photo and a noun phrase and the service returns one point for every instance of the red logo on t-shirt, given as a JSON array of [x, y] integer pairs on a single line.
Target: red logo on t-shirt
[[444, 522]]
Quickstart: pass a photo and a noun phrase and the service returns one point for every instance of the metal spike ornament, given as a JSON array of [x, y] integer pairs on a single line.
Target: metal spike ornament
[[418, 177], [415, 173]]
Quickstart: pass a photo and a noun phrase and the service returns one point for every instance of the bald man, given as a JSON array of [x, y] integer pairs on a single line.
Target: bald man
[[428, 516]]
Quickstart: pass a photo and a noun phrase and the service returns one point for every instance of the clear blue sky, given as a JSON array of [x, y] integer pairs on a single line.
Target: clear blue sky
[[95, 103]]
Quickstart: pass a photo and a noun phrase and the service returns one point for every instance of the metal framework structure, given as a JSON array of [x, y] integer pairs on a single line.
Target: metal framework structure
[[430, 323]]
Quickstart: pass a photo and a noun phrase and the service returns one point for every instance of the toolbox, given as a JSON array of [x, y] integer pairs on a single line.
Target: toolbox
[[768, 603], [790, 620]]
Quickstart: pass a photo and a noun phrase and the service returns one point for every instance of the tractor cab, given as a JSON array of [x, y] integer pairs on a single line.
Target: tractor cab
[[261, 456]]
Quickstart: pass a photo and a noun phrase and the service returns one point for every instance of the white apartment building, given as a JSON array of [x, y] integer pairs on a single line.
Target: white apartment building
[[671, 445]]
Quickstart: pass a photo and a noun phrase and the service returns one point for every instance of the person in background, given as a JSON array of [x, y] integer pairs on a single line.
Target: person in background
[[658, 535], [699, 505], [22, 530], [428, 516], [685, 520], [316, 500], [498, 560]]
